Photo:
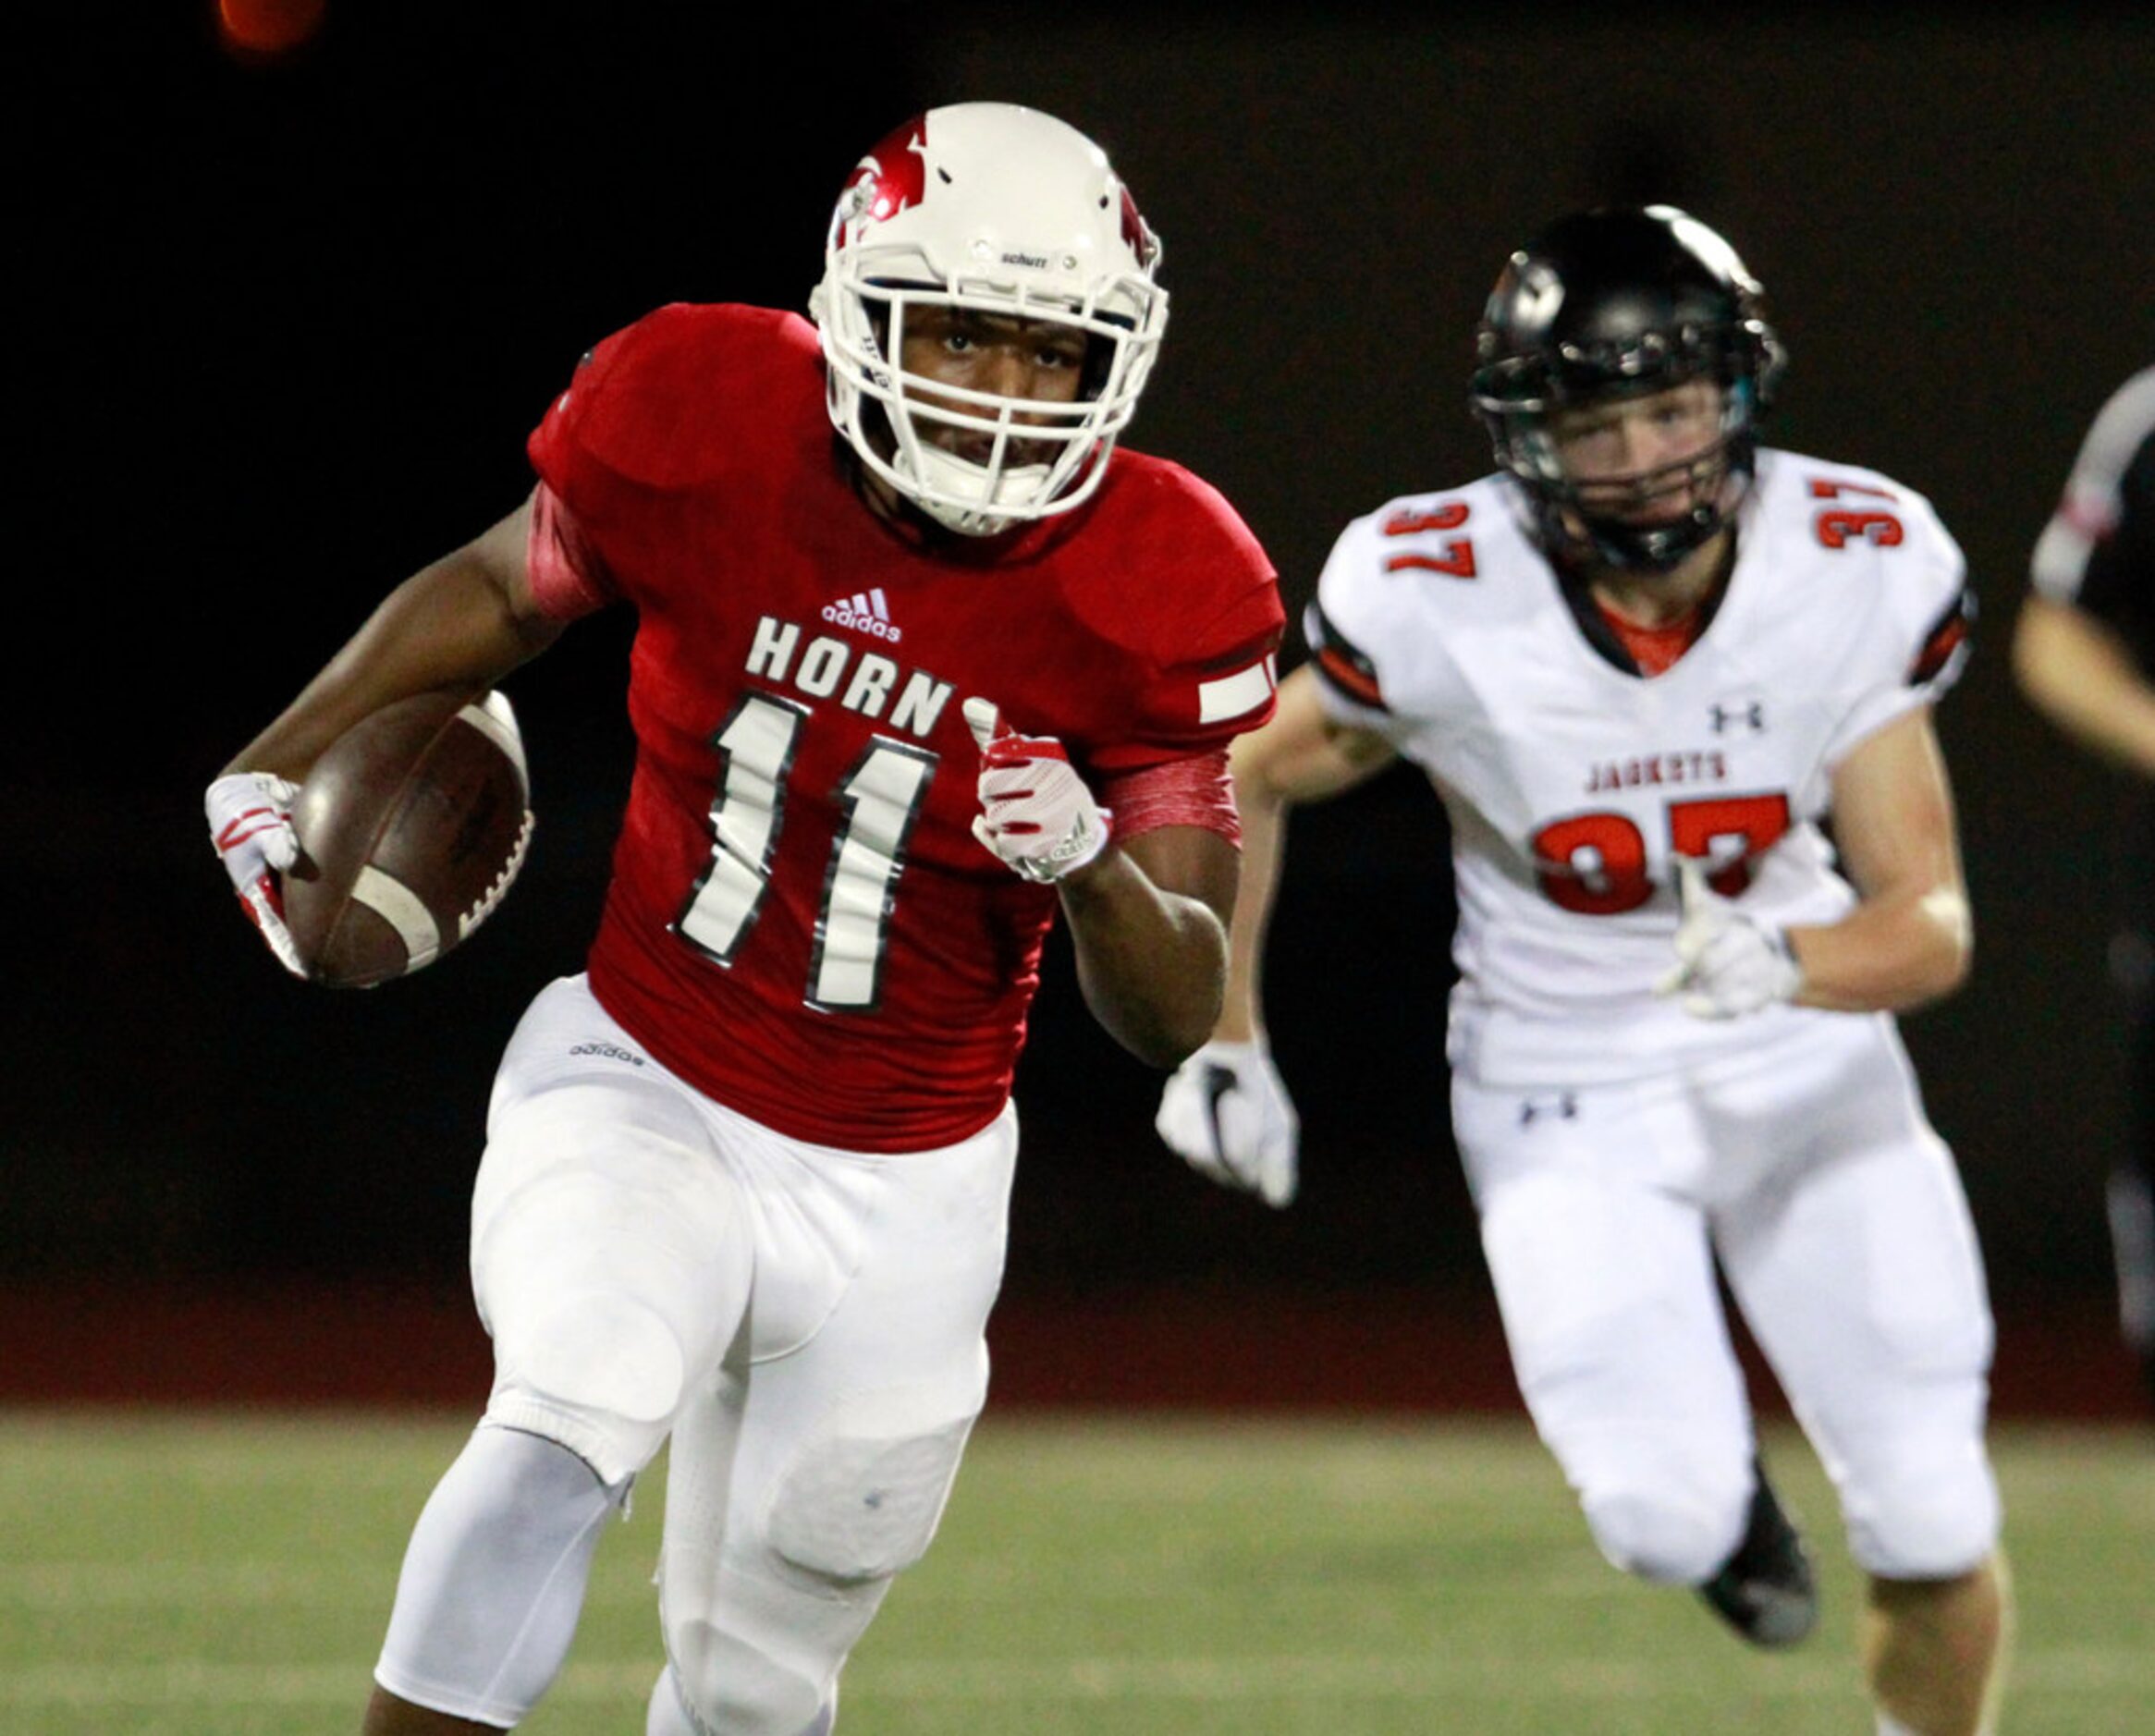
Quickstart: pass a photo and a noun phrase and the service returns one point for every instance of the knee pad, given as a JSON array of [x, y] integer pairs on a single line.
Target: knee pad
[[862, 1496], [757, 1635], [1928, 1515], [1673, 1530], [600, 1373]]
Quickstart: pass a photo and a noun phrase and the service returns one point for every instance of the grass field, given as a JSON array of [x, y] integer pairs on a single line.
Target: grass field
[[218, 1575]]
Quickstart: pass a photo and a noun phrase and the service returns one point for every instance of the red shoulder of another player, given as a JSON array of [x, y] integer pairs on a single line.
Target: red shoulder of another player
[[671, 402], [1201, 599]]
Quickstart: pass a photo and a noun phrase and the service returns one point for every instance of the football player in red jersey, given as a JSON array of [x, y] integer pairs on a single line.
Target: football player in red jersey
[[899, 695], [1642, 665]]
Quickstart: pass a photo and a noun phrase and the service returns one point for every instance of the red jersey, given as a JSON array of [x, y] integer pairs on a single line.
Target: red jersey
[[800, 922]]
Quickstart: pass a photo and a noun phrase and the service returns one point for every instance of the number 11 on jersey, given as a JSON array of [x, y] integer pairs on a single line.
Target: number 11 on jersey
[[882, 796]]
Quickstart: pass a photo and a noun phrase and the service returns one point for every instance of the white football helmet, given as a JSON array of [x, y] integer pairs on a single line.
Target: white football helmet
[[1001, 209]]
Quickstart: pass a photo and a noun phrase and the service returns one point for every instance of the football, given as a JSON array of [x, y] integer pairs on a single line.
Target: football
[[412, 828]]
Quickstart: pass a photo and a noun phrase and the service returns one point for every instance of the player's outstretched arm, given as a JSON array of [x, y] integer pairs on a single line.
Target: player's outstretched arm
[[2078, 673], [1300, 755], [1910, 939], [464, 621], [1227, 1112]]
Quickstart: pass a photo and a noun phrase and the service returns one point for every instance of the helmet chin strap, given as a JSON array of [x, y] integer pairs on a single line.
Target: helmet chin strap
[[1648, 548], [1660, 548]]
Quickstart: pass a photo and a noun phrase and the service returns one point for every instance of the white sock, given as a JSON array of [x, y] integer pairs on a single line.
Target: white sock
[[493, 1578]]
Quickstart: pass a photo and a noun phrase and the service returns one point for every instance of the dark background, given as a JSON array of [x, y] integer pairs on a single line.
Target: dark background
[[281, 326]]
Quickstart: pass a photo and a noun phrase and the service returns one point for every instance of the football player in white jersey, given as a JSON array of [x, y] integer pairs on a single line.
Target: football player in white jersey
[[1642, 663]]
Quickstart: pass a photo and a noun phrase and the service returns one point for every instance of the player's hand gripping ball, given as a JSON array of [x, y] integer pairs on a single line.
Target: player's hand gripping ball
[[250, 828], [410, 828]]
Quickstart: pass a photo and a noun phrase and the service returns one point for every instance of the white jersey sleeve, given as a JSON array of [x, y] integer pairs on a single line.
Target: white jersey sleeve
[[1571, 780], [1370, 629], [2094, 502], [1921, 608]]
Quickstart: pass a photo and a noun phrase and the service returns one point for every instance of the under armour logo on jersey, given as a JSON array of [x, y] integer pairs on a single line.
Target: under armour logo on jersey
[[1563, 1107], [1751, 714], [864, 612]]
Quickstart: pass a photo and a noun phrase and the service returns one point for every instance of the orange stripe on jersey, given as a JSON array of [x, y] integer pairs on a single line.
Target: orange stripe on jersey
[[1344, 672], [1939, 648]]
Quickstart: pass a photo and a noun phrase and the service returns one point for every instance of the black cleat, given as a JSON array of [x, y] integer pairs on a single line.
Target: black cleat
[[1766, 1590]]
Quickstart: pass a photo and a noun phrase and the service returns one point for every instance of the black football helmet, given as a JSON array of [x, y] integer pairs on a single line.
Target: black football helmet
[[1619, 302]]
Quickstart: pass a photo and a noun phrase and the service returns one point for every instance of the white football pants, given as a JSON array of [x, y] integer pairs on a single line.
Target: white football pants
[[807, 1324], [1806, 1166]]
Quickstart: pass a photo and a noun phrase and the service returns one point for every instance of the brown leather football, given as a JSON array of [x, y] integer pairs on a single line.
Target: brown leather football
[[412, 828]]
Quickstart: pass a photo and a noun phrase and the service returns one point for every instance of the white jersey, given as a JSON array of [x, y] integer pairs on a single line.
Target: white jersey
[[1571, 780]]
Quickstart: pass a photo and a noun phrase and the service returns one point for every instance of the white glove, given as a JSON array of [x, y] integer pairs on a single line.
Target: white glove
[[1728, 964], [1035, 811], [1227, 1113], [251, 824]]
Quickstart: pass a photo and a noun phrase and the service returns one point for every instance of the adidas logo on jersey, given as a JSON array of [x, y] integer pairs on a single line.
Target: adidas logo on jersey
[[864, 612]]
